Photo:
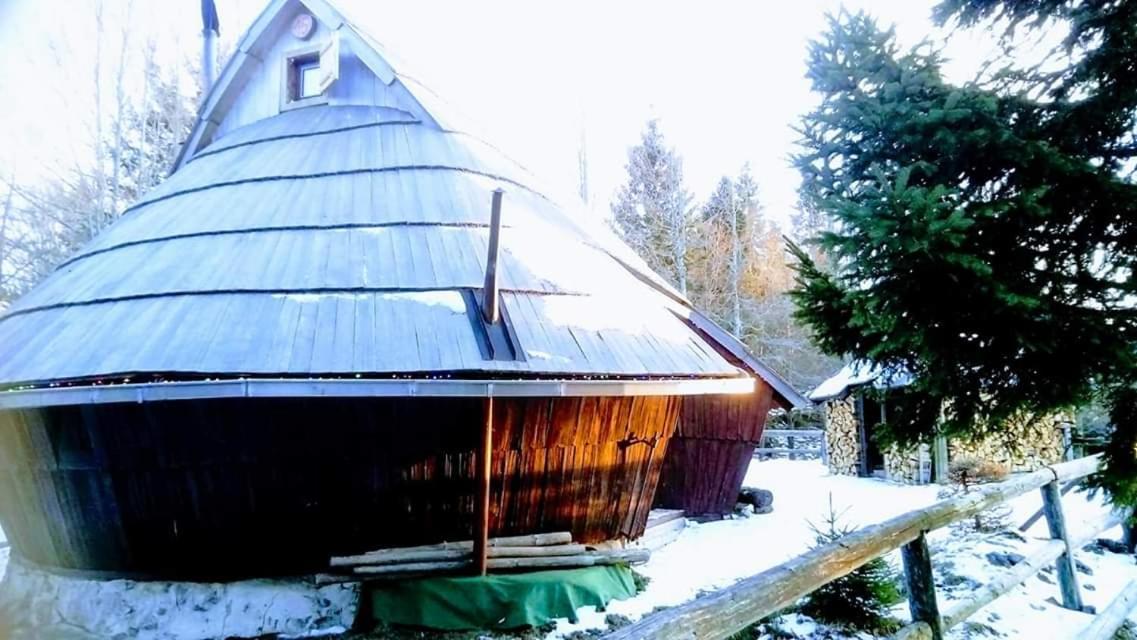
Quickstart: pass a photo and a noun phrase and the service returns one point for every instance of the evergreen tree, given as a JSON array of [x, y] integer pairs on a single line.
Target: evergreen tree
[[652, 209], [984, 235], [861, 600]]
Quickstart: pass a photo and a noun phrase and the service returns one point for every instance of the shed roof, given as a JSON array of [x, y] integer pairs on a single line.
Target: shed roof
[[857, 374], [347, 241]]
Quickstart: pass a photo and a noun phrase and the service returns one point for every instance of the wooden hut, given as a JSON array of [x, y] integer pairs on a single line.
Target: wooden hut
[[714, 441], [318, 338]]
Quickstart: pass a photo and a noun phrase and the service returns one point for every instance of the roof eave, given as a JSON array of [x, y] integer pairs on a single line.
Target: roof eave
[[355, 388]]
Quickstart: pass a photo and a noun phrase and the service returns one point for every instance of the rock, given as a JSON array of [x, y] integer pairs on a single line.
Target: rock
[[1089, 587], [761, 499], [1112, 546], [953, 580], [1082, 567], [1004, 558], [1043, 577]]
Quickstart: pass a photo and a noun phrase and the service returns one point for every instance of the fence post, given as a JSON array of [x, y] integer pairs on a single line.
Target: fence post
[[1056, 522], [921, 585], [825, 448]]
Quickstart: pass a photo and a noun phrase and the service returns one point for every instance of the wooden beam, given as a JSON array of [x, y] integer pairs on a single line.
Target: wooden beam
[[484, 463], [489, 291], [722, 613], [1106, 623], [1056, 522], [917, 559], [987, 594], [1003, 583]]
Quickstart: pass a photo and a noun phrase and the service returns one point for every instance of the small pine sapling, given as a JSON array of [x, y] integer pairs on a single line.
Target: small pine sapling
[[859, 601]]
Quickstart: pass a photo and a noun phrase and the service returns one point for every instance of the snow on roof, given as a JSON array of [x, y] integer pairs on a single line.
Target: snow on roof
[[856, 374]]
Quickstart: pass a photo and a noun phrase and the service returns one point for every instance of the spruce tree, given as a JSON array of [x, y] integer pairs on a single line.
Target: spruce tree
[[652, 209], [983, 236]]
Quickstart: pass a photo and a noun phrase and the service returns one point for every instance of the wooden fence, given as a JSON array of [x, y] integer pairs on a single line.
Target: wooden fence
[[812, 439], [728, 611]]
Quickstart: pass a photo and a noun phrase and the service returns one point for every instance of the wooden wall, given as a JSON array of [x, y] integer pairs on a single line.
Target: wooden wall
[[235, 488], [708, 457]]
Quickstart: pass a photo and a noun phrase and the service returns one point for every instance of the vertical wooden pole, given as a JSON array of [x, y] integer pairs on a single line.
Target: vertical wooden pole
[[484, 463], [940, 459], [1056, 521], [921, 586], [862, 428]]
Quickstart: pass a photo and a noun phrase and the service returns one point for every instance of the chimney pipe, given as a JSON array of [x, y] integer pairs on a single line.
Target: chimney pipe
[[208, 60], [210, 28], [489, 291]]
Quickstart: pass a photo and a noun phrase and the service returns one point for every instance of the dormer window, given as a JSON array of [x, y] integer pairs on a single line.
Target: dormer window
[[309, 73], [305, 80]]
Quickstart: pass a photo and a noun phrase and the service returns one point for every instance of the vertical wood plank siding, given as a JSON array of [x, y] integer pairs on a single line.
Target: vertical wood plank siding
[[231, 488], [708, 456]]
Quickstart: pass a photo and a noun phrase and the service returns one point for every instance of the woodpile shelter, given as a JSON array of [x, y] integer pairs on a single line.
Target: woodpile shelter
[[861, 397], [325, 334]]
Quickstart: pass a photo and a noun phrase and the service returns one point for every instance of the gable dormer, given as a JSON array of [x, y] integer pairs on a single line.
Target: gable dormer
[[298, 54]]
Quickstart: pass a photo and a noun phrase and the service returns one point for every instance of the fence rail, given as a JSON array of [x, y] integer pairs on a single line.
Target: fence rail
[[793, 441], [728, 611]]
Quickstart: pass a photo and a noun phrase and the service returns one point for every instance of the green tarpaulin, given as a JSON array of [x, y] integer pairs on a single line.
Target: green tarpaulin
[[506, 601]]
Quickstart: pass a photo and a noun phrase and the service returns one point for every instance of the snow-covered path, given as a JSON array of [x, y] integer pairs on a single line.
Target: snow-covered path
[[714, 555]]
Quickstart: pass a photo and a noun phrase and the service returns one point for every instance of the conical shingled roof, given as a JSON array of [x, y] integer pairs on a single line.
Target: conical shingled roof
[[339, 240], [350, 241]]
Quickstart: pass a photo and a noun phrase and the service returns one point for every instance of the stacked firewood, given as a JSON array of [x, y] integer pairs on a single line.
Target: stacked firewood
[[531, 552], [842, 436]]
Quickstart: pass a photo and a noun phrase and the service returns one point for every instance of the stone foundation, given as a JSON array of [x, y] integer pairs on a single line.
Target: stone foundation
[[36, 604]]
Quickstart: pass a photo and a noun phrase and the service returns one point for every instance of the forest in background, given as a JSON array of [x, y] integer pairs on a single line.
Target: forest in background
[[725, 254]]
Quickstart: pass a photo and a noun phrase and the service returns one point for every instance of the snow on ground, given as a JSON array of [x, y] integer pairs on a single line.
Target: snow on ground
[[1031, 610], [715, 555]]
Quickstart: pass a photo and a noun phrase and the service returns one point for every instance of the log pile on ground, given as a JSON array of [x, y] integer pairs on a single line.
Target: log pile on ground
[[842, 436], [512, 553]]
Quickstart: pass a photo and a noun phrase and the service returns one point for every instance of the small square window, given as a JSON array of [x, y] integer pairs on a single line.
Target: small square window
[[308, 73], [308, 79], [303, 77]]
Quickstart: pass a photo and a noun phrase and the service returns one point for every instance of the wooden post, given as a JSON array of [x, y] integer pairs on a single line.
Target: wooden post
[[825, 448], [1056, 521], [921, 586], [940, 459], [482, 502], [863, 432], [1066, 488]]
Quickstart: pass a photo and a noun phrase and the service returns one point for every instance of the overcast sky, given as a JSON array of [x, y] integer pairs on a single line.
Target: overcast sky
[[725, 78]]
